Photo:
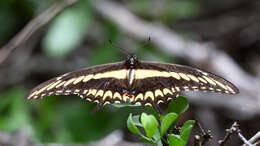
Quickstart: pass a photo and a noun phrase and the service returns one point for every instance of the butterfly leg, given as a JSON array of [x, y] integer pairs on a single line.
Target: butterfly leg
[[101, 102], [157, 108], [97, 108]]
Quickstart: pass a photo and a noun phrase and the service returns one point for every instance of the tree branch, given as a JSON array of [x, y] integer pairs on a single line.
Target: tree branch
[[32, 27], [246, 103], [23, 138]]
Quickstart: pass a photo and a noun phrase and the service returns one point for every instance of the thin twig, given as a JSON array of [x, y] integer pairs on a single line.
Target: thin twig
[[256, 143], [229, 132], [254, 139], [206, 135], [32, 27], [200, 127], [234, 129], [197, 140], [244, 139]]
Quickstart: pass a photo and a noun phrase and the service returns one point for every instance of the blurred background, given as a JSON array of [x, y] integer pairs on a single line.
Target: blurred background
[[43, 39]]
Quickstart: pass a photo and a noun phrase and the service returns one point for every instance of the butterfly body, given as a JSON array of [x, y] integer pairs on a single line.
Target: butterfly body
[[138, 82]]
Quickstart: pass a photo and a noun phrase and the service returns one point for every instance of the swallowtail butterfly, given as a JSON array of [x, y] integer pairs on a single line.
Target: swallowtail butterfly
[[135, 81]]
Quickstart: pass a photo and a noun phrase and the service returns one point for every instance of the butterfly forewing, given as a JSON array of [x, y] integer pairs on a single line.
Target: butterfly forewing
[[185, 78], [90, 83]]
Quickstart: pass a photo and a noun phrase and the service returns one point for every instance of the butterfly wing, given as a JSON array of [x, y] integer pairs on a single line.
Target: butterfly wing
[[100, 83], [161, 82], [148, 83]]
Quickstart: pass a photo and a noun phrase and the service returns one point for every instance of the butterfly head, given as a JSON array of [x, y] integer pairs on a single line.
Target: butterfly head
[[131, 61]]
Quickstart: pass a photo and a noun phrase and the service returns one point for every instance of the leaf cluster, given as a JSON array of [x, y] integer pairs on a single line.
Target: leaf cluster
[[159, 129]]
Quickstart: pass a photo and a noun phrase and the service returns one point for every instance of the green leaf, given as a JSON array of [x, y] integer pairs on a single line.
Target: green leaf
[[67, 30], [153, 112], [167, 122], [120, 105], [150, 124], [186, 129], [175, 140], [136, 120], [157, 136], [179, 105], [131, 125], [159, 143], [146, 139]]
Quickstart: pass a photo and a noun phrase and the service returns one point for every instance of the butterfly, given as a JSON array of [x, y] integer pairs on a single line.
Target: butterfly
[[134, 81]]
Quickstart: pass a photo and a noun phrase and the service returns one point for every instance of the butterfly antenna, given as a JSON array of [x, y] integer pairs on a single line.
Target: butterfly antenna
[[145, 43], [122, 50]]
